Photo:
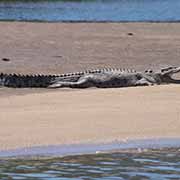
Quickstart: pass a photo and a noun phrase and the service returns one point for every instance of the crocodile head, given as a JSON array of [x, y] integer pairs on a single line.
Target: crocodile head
[[163, 76], [167, 73]]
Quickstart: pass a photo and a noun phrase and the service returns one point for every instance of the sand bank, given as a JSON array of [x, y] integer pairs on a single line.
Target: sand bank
[[89, 116], [65, 47], [34, 117]]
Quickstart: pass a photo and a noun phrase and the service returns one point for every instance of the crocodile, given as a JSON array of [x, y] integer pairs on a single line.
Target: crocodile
[[100, 78]]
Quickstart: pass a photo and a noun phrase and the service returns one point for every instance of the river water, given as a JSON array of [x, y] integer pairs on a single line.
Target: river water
[[154, 159], [90, 10], [159, 164]]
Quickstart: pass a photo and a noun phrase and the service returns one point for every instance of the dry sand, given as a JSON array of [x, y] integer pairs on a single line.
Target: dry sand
[[66, 47], [33, 117], [89, 116]]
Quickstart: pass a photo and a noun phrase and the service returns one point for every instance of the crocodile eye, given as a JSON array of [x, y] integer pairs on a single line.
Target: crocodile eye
[[149, 71]]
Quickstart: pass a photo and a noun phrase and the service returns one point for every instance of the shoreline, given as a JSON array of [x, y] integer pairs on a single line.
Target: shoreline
[[138, 145], [93, 22]]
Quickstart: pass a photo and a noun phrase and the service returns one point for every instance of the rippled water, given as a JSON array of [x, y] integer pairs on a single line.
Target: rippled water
[[92, 10], [134, 165]]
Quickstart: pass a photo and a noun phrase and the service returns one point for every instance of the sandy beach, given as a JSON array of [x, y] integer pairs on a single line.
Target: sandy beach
[[35, 117]]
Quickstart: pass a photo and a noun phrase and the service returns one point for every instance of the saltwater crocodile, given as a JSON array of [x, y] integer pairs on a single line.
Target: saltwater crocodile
[[100, 78]]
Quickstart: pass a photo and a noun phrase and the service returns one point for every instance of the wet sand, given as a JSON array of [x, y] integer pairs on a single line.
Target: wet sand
[[38, 117]]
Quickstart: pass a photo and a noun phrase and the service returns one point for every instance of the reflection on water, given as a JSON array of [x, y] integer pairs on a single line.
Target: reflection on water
[[90, 10], [149, 164]]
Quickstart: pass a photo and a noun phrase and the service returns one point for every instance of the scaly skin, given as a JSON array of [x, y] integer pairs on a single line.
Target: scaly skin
[[38, 81], [100, 78]]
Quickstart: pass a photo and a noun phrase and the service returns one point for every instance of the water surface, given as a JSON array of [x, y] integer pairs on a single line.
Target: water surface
[[92, 10], [135, 165]]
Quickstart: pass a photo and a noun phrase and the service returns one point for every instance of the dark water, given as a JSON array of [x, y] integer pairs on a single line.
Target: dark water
[[92, 10], [134, 165]]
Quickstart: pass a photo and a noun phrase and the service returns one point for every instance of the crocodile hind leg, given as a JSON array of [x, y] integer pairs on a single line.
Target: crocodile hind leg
[[81, 83]]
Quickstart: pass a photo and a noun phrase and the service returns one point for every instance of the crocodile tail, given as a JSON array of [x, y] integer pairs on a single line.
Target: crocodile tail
[[37, 80], [25, 81]]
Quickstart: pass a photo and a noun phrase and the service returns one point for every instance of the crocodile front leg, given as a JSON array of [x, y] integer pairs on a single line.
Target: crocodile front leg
[[143, 82]]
